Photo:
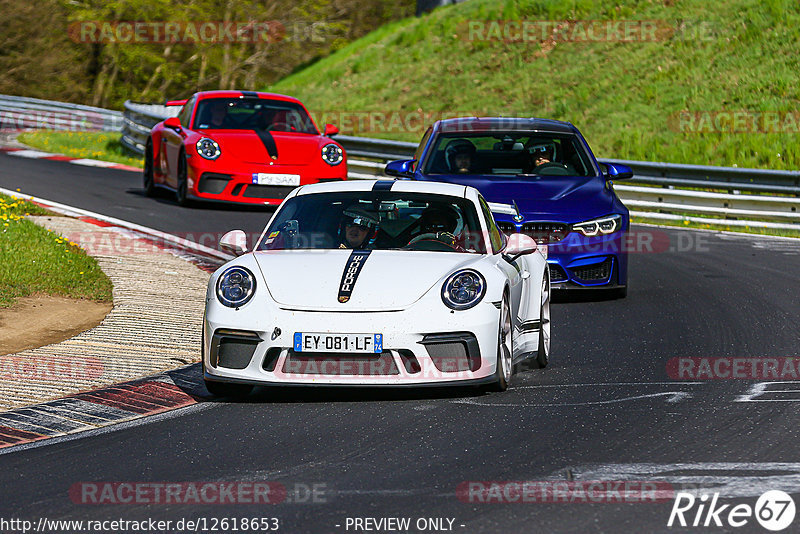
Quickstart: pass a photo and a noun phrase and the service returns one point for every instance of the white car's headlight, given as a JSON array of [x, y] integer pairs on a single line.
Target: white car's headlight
[[332, 154], [235, 287], [208, 148], [463, 289], [604, 226]]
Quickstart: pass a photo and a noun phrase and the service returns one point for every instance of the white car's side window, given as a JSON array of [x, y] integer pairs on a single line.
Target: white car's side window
[[495, 236]]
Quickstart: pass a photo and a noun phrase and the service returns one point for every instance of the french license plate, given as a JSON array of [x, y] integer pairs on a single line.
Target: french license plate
[[263, 178], [320, 342]]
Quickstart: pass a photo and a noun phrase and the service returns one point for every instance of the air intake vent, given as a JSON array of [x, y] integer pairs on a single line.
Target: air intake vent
[[507, 228], [340, 364], [546, 232], [267, 191], [598, 271], [557, 274]]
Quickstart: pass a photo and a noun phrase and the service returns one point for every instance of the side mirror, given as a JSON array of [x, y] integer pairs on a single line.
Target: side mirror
[[403, 168], [234, 242], [330, 129], [173, 122], [617, 171], [519, 245]]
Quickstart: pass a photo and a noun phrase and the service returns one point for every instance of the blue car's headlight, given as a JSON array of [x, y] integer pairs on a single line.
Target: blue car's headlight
[[603, 226], [463, 289], [235, 287], [208, 148]]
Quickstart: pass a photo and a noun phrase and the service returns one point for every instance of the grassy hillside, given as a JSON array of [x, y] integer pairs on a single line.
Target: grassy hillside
[[728, 56]]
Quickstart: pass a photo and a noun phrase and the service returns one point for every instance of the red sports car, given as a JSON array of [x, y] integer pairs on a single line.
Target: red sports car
[[240, 146]]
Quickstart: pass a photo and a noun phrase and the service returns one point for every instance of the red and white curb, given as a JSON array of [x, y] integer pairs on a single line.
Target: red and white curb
[[106, 406], [38, 154], [89, 412]]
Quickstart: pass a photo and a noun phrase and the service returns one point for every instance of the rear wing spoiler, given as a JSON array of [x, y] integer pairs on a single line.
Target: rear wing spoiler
[[176, 102]]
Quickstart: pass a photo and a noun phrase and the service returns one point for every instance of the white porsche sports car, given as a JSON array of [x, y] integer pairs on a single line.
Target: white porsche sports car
[[397, 283]]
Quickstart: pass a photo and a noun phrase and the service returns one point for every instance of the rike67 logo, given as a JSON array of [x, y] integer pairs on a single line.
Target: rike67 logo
[[774, 510]]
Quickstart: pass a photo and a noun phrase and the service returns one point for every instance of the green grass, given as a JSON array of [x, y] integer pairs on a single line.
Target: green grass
[[104, 146], [36, 261], [624, 97]]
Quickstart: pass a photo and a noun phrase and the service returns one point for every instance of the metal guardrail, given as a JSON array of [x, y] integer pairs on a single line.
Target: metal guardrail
[[19, 113], [654, 191], [139, 120]]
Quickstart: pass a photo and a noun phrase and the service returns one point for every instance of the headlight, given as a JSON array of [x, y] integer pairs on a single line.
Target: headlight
[[606, 225], [332, 154], [235, 287], [463, 289], [208, 148]]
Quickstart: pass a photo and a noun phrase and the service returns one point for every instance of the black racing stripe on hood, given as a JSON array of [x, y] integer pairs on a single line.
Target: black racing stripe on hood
[[268, 141], [250, 94], [352, 269], [383, 185]]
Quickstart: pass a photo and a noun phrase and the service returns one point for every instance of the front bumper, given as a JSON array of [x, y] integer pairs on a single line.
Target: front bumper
[[581, 262], [418, 349], [226, 185]]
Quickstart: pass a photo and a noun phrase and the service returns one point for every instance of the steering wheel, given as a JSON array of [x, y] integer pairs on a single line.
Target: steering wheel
[[430, 241], [549, 165], [281, 127]]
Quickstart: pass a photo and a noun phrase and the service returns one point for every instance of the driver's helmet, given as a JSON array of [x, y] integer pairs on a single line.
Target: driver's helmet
[[541, 150], [437, 219], [455, 147], [358, 215]]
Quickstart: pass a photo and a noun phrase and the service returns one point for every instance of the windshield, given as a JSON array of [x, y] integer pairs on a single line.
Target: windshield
[[251, 114], [376, 220], [508, 153]]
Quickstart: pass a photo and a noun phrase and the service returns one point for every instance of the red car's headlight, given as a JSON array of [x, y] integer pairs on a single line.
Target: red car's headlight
[[208, 148], [332, 154]]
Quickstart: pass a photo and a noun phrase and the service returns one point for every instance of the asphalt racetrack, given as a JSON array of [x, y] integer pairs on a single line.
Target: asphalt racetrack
[[610, 406]]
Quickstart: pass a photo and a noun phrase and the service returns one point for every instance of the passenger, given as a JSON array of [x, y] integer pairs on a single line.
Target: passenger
[[540, 155]]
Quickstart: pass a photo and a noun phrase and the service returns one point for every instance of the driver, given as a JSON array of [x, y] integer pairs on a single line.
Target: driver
[[358, 227], [439, 224], [459, 155], [219, 114]]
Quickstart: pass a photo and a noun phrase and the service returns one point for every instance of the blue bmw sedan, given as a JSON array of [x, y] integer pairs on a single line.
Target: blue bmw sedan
[[563, 196]]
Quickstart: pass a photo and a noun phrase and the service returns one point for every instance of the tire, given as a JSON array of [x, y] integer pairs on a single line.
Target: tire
[[181, 191], [149, 170], [224, 389], [505, 347], [543, 352]]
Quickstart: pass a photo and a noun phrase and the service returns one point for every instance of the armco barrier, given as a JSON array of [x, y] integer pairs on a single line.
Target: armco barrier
[[658, 190], [18, 113], [658, 196]]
